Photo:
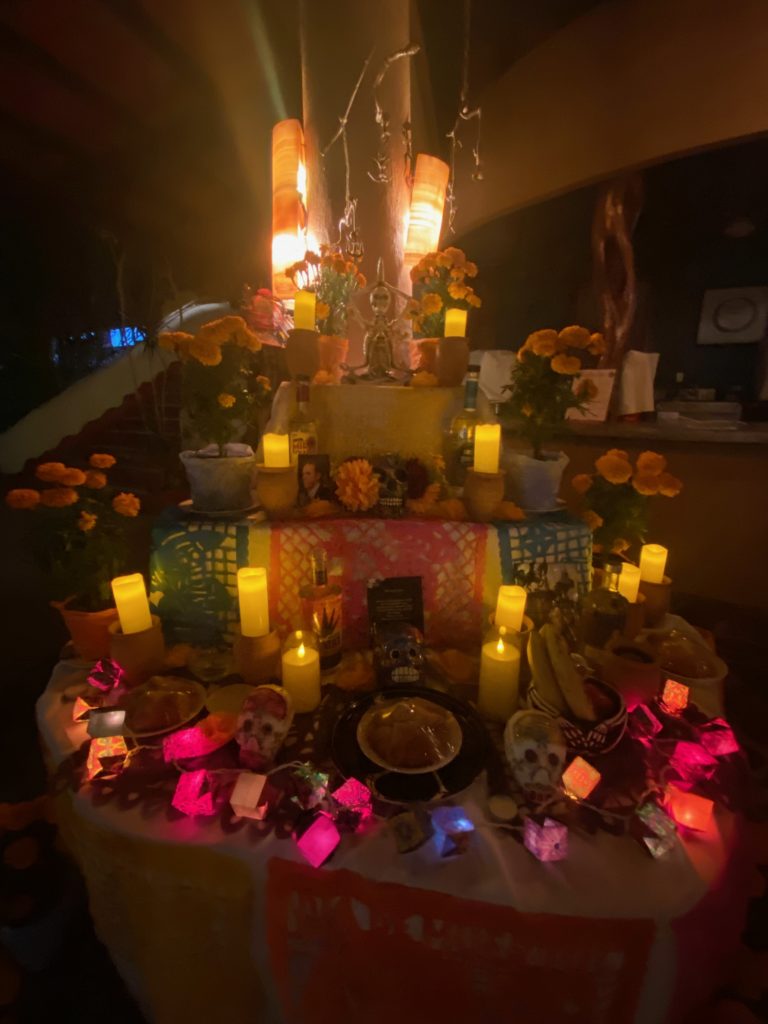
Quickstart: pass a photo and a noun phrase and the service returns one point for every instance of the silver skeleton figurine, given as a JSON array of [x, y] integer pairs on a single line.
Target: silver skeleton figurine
[[381, 334]]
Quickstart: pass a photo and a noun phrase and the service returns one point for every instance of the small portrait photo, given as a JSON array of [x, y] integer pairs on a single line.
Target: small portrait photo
[[315, 482]]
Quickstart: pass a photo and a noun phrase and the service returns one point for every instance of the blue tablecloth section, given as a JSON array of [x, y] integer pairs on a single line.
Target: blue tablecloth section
[[195, 560]]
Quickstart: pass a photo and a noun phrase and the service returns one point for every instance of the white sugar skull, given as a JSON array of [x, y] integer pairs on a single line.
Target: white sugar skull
[[393, 485], [262, 726], [399, 654], [535, 749]]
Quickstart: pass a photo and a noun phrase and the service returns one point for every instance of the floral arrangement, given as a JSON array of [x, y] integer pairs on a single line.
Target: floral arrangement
[[220, 383], [542, 387], [266, 315], [615, 497], [440, 280], [334, 280], [80, 536]]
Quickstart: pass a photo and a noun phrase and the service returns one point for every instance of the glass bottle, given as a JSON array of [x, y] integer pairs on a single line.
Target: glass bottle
[[603, 611], [460, 439], [321, 608], [302, 428]]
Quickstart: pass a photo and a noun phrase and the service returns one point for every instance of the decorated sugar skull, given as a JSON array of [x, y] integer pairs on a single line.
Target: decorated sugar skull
[[535, 749], [399, 654], [262, 726], [393, 485]]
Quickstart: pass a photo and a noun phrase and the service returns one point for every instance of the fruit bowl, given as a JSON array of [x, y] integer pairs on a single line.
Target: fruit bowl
[[584, 737]]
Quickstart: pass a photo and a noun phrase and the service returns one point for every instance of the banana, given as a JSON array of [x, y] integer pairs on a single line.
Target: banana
[[568, 678], [541, 670]]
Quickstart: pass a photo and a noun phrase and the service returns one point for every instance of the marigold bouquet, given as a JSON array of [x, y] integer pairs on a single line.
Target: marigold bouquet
[[79, 529], [542, 388], [439, 281], [334, 280], [615, 497], [221, 381]]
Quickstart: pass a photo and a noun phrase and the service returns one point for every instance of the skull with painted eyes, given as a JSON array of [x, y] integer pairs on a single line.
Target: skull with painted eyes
[[399, 654], [536, 750]]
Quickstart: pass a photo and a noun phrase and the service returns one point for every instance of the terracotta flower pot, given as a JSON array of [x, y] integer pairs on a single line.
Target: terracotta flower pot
[[535, 483], [89, 630], [219, 484], [452, 361], [332, 352], [423, 352]]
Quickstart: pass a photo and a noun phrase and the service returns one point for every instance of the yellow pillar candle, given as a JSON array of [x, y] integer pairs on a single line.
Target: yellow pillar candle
[[132, 604], [629, 581], [498, 695], [277, 452], [455, 323], [304, 308], [254, 601], [653, 561], [487, 445], [301, 677], [510, 608]]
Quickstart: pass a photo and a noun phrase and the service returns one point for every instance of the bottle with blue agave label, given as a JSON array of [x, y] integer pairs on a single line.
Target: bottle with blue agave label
[[321, 607]]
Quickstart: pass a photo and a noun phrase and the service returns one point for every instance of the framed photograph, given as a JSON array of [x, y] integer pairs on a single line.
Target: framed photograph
[[733, 316], [315, 483]]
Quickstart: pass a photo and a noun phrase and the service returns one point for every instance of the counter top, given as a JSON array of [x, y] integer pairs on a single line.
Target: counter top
[[741, 433]]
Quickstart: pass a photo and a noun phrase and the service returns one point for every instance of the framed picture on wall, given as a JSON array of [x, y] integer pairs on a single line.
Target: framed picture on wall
[[733, 316]]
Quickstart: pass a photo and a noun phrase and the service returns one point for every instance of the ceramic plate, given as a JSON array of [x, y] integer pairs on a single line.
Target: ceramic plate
[[162, 704], [546, 511], [189, 508]]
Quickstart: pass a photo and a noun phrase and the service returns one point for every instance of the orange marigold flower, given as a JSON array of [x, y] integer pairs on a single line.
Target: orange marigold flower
[[646, 483], [457, 273], [455, 255], [669, 485], [72, 477], [357, 486], [126, 504], [244, 337], [205, 351], [318, 508], [510, 512], [58, 497], [95, 480], [86, 522], [596, 345], [593, 520], [613, 469], [174, 341], [322, 310], [50, 472], [325, 377], [23, 498], [226, 328], [225, 400], [444, 260], [424, 379], [361, 279], [311, 257], [619, 546], [101, 461], [542, 343], [431, 303], [264, 382], [574, 337], [651, 463], [457, 291], [567, 365], [473, 300], [619, 453], [581, 483], [451, 508], [470, 268]]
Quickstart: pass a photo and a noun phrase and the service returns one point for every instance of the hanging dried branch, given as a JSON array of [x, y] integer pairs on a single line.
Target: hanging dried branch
[[383, 171], [464, 114]]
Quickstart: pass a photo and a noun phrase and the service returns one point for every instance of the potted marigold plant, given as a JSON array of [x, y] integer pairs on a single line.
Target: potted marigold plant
[[334, 280], [220, 385], [615, 497], [439, 282], [79, 537], [544, 386]]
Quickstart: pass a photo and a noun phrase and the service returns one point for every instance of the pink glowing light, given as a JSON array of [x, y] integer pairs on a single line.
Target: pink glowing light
[[192, 742], [319, 841], [194, 793], [675, 697], [354, 796], [548, 841], [691, 761], [105, 754], [718, 738], [246, 797], [580, 778], [105, 675], [688, 809]]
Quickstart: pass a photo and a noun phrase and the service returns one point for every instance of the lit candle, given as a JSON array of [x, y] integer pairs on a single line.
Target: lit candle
[[487, 445], [301, 676], [510, 608], [304, 311], [277, 452], [455, 323], [254, 601], [653, 560], [499, 678], [629, 581], [132, 605]]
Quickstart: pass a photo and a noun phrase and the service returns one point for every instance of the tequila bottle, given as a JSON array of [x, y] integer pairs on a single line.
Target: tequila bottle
[[321, 606], [603, 611], [460, 439], [302, 428]]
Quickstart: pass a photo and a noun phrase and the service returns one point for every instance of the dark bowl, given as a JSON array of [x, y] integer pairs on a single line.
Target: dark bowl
[[588, 737]]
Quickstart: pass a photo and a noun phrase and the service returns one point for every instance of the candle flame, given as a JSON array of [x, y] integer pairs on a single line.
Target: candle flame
[[500, 645], [302, 651]]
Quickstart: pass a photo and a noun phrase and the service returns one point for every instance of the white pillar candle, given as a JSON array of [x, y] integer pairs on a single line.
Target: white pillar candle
[[629, 581], [653, 561], [487, 445], [499, 678], [132, 604], [277, 452], [304, 310], [254, 601], [455, 323], [301, 676], [510, 608]]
